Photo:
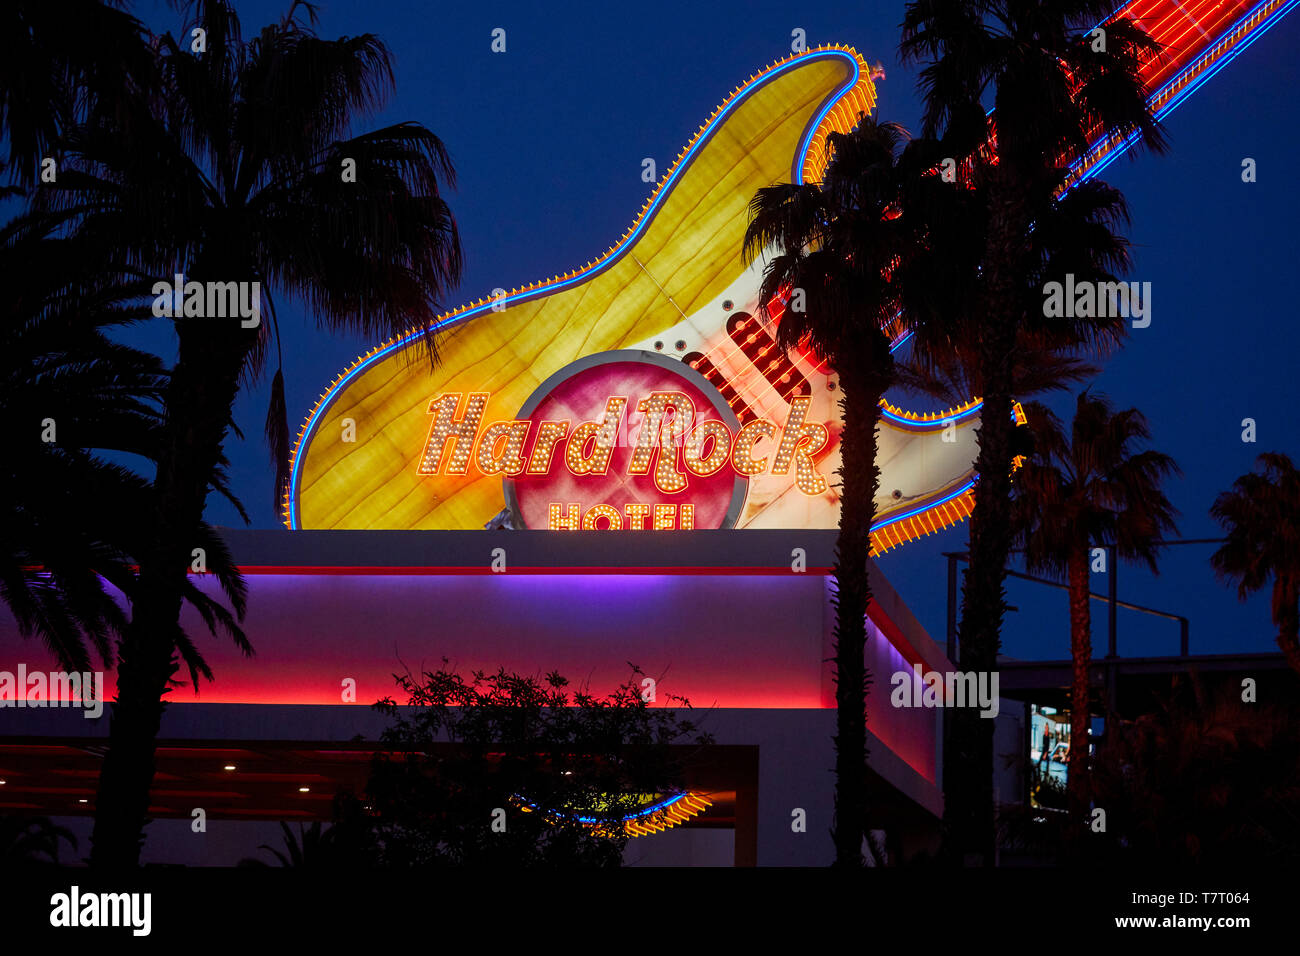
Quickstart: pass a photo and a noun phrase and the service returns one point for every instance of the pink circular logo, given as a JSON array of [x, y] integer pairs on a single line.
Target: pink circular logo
[[627, 440]]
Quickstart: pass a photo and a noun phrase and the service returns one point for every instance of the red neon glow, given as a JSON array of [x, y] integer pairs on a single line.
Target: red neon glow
[[723, 641]]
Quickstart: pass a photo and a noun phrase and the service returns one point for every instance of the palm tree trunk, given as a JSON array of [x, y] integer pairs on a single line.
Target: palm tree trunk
[[1286, 614], [968, 765], [1080, 788], [860, 481], [199, 401]]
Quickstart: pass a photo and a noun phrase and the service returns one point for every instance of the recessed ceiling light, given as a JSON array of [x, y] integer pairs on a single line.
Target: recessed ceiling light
[[304, 789], [229, 766], [2, 783], [83, 801]]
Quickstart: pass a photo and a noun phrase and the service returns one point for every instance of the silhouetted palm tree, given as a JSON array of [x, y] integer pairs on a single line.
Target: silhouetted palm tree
[[1261, 515], [846, 244], [28, 840], [238, 170], [1077, 233], [71, 526], [58, 64], [1204, 779], [1052, 94], [310, 847], [1092, 487], [1074, 234]]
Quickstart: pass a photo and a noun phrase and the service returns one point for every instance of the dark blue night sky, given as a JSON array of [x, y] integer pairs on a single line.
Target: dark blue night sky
[[548, 140]]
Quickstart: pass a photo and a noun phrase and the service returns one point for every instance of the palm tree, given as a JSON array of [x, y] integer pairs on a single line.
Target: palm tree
[[25, 841], [64, 387], [236, 172], [1052, 94], [847, 242], [1204, 780], [1076, 233], [1261, 515], [1091, 488], [68, 392], [59, 63], [310, 847]]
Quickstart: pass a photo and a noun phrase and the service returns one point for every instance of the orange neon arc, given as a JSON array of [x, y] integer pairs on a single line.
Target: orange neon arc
[[457, 438]]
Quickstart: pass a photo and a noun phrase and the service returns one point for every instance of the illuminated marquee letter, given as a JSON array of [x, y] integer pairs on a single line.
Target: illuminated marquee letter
[[461, 432], [636, 515], [665, 517], [601, 435], [800, 441], [742, 452], [559, 522], [667, 434], [544, 448], [693, 454], [608, 512], [808, 479], [511, 459]]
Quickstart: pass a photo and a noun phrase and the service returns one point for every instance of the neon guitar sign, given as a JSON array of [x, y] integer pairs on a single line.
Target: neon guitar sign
[[674, 286]]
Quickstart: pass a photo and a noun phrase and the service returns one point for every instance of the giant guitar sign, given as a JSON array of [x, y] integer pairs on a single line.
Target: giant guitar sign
[[642, 390]]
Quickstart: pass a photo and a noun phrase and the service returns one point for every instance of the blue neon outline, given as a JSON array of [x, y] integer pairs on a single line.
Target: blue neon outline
[[926, 506], [652, 808], [624, 245], [915, 425], [801, 155], [1267, 24], [902, 339], [645, 812]]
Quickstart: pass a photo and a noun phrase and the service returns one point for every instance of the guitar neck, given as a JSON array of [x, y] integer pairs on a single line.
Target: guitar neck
[[1198, 37]]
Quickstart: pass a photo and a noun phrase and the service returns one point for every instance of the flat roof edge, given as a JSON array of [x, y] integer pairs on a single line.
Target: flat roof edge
[[416, 552]]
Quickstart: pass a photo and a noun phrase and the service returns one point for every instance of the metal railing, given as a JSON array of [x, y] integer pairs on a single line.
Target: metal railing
[[1111, 597]]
